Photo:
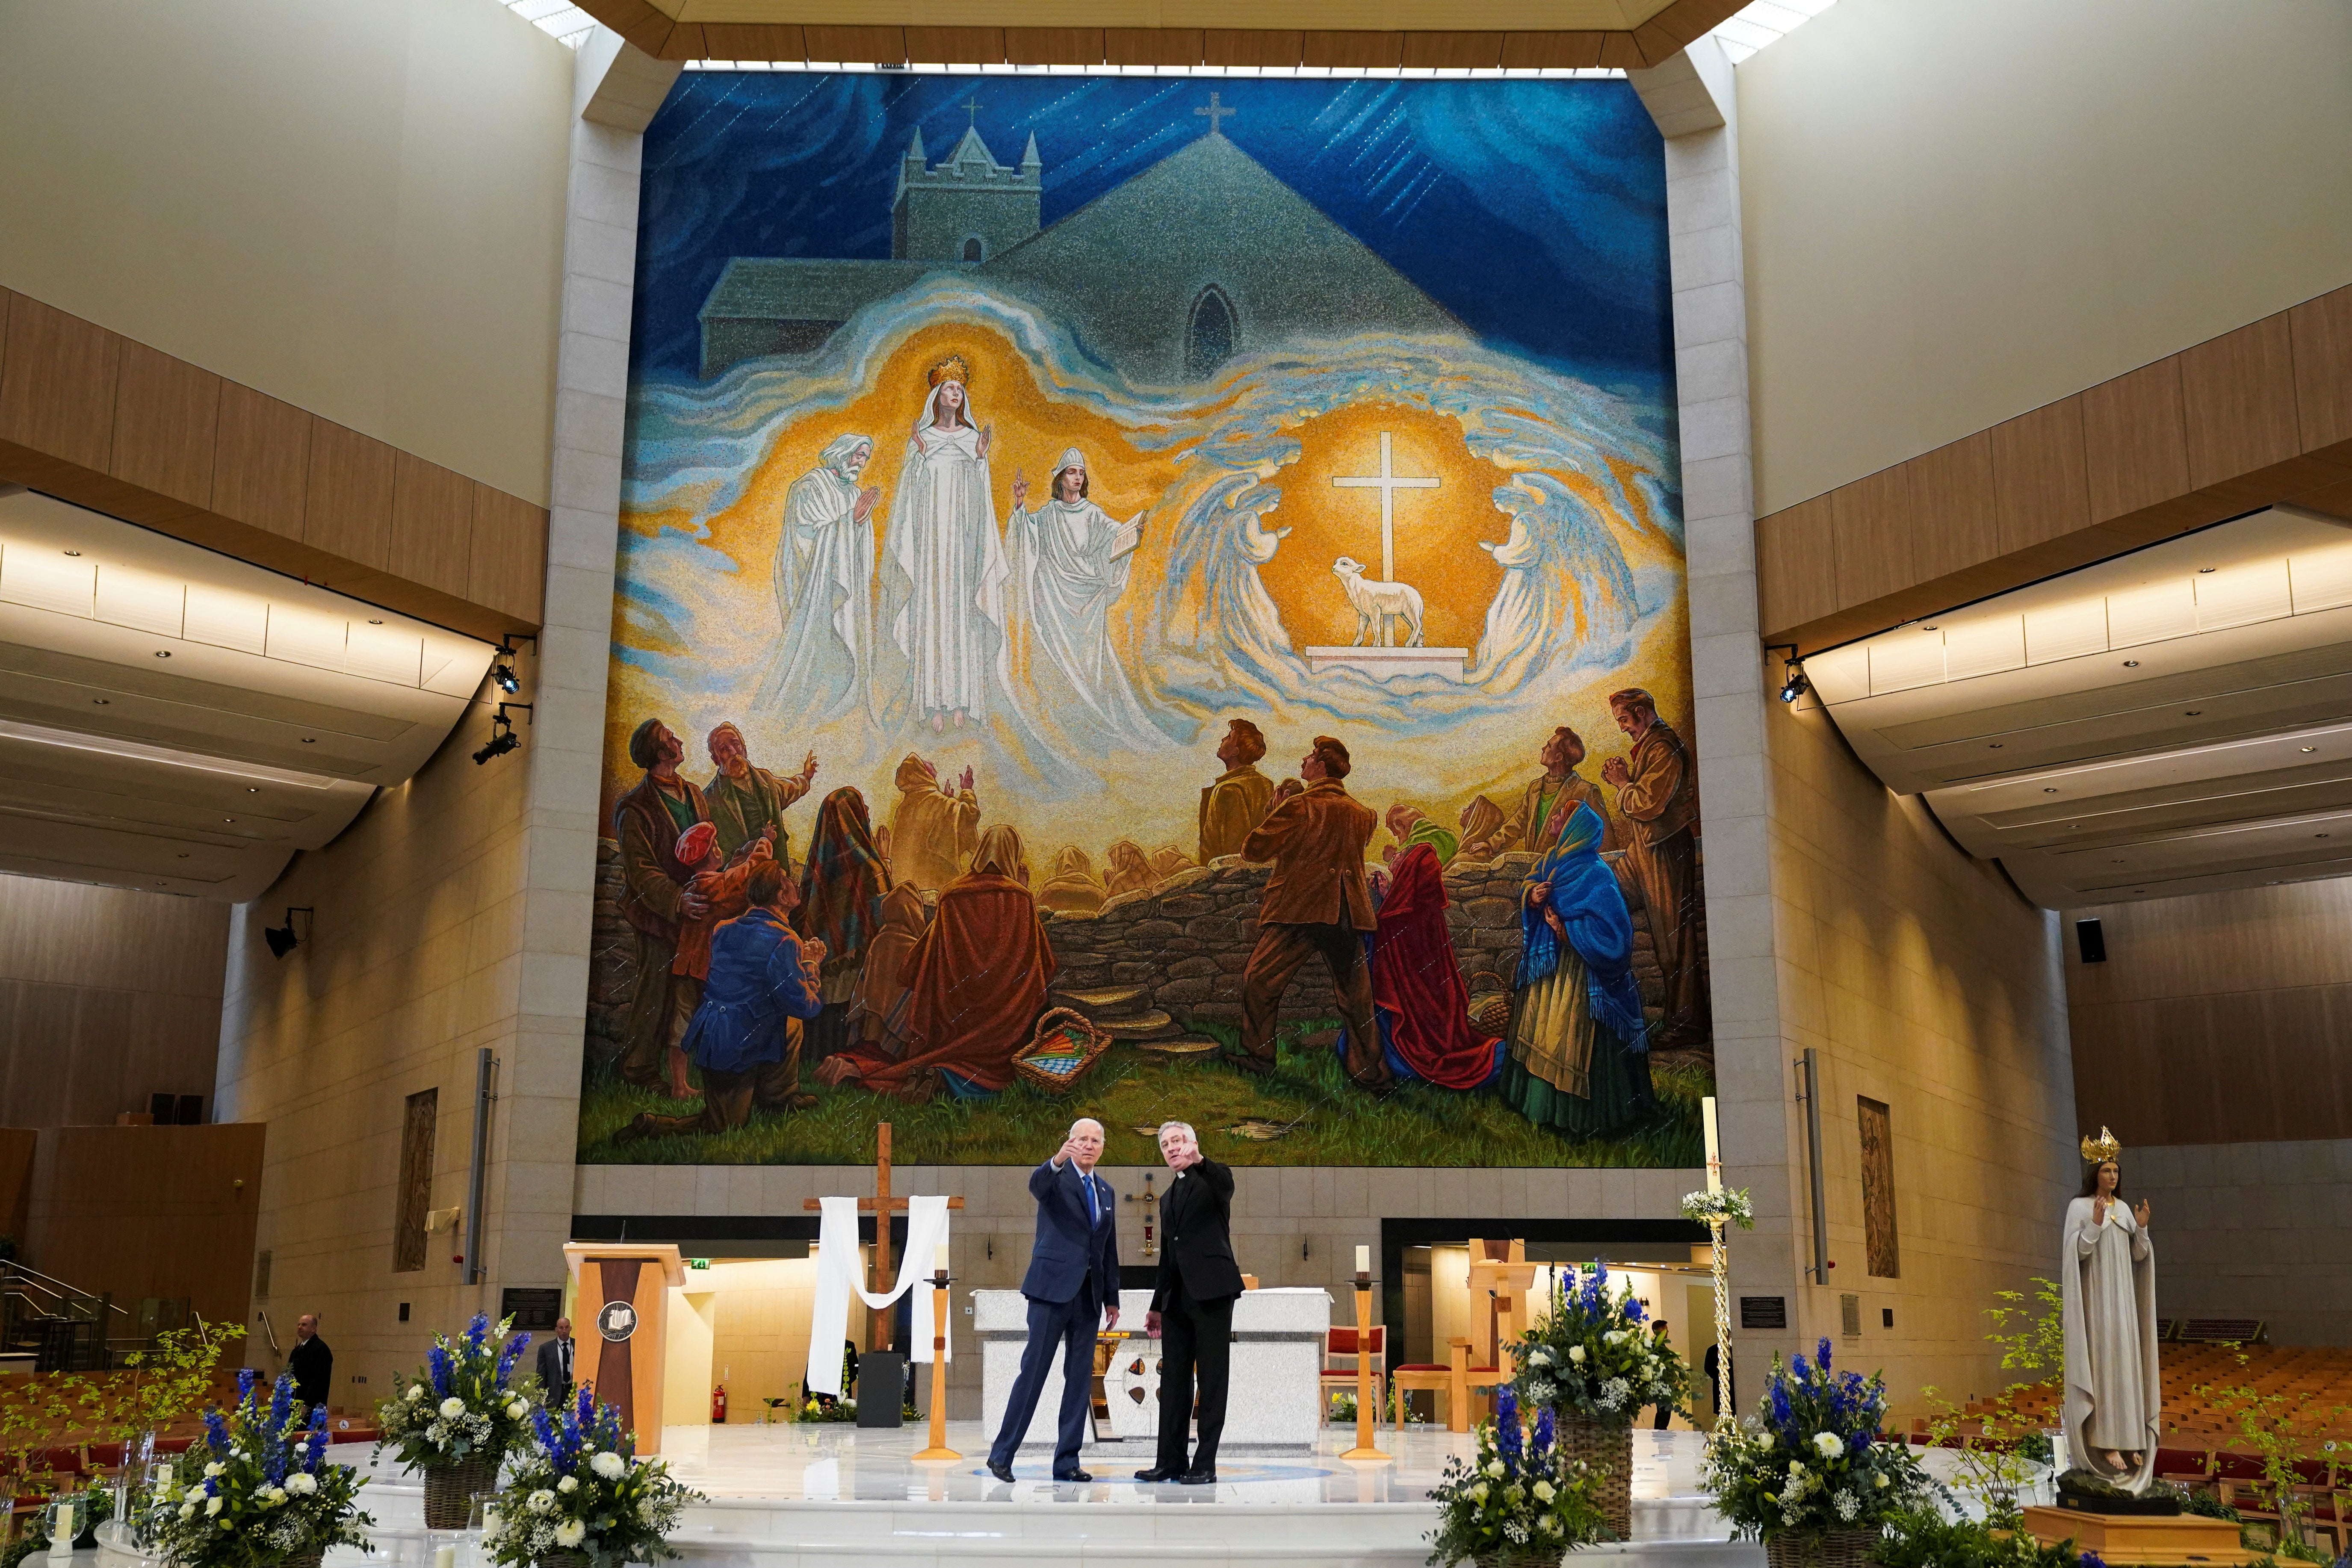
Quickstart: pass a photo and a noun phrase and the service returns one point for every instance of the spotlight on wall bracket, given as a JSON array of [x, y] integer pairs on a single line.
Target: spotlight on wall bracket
[[503, 738], [1795, 685], [285, 939], [502, 672]]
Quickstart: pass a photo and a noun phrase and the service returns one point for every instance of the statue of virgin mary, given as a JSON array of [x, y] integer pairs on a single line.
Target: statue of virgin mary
[[2107, 1283]]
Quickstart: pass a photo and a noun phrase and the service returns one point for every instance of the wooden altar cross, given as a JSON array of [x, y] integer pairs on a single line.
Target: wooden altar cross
[[881, 1205]]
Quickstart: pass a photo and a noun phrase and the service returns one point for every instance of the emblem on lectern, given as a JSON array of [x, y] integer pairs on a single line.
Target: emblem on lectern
[[616, 1321]]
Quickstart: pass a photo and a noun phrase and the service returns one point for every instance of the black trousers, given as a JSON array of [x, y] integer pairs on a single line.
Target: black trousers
[[1195, 1337]]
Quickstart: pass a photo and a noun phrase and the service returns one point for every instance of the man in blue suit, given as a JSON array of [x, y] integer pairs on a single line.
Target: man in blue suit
[[1072, 1285]]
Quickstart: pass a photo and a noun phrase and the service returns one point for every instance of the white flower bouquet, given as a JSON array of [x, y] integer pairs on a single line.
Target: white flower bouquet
[[1592, 1354], [466, 1405], [1811, 1460], [259, 1491], [1728, 1207], [580, 1490], [1522, 1500]]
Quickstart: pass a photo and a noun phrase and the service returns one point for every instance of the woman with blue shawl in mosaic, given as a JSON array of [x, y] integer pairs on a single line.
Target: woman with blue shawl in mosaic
[[842, 884], [1579, 1049]]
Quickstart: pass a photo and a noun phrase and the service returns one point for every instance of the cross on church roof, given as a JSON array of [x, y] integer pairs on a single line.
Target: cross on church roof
[[972, 105], [1216, 112]]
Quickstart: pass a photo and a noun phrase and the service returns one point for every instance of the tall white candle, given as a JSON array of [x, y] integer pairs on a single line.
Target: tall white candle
[[445, 1557], [1363, 1261], [1714, 1148], [940, 1257]]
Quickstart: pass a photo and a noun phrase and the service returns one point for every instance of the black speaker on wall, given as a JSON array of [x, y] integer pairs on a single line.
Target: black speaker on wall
[[2091, 941], [162, 1109]]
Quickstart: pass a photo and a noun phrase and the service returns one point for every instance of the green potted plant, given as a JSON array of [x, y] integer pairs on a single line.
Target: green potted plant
[[457, 1420], [1810, 1474], [1591, 1361], [1522, 1503], [259, 1492], [581, 1498]]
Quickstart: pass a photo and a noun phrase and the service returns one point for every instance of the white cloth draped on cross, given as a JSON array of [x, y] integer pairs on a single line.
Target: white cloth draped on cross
[[840, 1270]]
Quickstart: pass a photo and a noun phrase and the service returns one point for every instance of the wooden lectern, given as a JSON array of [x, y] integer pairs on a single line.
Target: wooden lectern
[[620, 1293]]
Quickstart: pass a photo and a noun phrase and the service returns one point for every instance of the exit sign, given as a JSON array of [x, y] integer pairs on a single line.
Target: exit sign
[[697, 1263]]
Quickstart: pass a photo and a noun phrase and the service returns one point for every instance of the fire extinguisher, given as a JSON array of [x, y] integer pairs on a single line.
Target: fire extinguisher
[[718, 1405]]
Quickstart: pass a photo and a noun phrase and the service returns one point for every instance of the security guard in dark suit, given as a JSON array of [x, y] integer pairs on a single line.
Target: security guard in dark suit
[[1192, 1305]]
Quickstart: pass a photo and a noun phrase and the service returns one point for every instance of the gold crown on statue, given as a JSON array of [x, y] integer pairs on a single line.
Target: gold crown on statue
[[2105, 1147], [951, 368]]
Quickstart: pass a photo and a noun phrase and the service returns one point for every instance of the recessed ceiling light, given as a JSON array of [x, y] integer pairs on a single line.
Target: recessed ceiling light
[[253, 789], [2131, 664], [2202, 569], [2311, 748], [2191, 712], [1927, 628], [182, 855], [371, 621], [1997, 745], [108, 701], [310, 740], [2050, 789], [73, 553], [229, 819], [163, 653]]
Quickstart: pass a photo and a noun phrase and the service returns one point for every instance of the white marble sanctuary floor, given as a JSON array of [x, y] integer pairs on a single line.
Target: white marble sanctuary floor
[[797, 1497]]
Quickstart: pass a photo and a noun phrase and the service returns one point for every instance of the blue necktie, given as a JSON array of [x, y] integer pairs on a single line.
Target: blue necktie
[[1094, 1208]]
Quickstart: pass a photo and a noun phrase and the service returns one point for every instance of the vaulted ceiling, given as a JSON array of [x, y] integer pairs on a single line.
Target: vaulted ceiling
[[2175, 720], [180, 722]]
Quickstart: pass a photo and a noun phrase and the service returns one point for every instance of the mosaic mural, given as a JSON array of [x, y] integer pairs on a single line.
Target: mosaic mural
[[1149, 598]]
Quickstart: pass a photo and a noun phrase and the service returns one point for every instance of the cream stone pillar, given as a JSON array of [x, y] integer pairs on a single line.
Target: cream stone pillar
[[1692, 100], [616, 91]]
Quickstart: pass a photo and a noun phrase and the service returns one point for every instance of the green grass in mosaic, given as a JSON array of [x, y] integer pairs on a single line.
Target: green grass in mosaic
[[1306, 1113]]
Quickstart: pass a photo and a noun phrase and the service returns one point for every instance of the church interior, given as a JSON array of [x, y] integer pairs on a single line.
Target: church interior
[[1850, 731]]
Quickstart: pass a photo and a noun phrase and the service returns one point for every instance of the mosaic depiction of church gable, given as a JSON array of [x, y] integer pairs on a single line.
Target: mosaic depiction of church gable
[[1149, 598]]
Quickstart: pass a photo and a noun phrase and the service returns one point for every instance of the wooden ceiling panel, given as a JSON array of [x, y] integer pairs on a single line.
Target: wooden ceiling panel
[[957, 46], [1552, 51], [1454, 51], [1367, 51], [1153, 46], [1054, 45], [884, 45], [1583, 34]]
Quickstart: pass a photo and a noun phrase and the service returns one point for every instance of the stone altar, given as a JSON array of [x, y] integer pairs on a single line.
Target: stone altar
[[1277, 1401]]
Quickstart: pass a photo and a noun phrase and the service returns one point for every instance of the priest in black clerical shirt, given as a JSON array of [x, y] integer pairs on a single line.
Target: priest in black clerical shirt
[[1193, 1305]]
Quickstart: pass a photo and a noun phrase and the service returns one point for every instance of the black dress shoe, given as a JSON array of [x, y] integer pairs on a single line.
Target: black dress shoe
[[1198, 1478], [1157, 1473], [1002, 1472], [1075, 1476]]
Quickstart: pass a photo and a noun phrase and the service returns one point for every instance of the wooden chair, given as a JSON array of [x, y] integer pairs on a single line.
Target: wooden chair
[[1342, 1342], [1435, 1376]]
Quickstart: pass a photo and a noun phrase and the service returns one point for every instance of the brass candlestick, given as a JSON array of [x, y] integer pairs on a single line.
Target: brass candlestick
[[1365, 1450], [939, 1450]]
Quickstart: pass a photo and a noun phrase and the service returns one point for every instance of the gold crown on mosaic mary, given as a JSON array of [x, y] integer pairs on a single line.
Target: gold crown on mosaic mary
[[951, 368], [2105, 1147]]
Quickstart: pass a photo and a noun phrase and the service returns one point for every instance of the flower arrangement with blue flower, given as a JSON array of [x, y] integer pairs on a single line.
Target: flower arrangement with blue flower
[[1592, 1353], [1811, 1460], [259, 1491], [1523, 1496], [581, 1489], [466, 1405]]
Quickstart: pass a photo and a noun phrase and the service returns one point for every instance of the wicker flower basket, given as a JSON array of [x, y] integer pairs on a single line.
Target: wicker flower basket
[[1827, 1549], [1064, 1049], [311, 1558], [449, 1491], [559, 1558], [1529, 1558], [1607, 1449]]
